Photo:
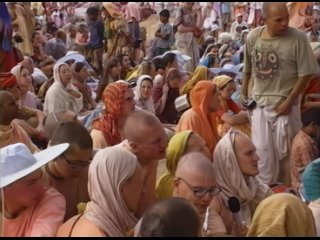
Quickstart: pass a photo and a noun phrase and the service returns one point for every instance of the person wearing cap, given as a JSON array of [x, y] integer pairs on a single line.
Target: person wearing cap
[[115, 28], [238, 23], [28, 208]]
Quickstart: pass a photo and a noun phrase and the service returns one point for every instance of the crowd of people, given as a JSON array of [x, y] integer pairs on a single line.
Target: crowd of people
[[227, 94]]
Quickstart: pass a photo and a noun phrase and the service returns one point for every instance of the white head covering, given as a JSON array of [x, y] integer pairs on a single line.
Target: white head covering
[[107, 210], [57, 78], [231, 179], [144, 104]]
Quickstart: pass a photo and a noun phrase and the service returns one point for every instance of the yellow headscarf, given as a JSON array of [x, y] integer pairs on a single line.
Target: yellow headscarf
[[282, 215], [222, 80], [176, 148], [200, 73]]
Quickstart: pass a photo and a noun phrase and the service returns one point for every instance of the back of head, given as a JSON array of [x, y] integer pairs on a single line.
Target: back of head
[[173, 217], [311, 115], [282, 215], [73, 133], [92, 11], [168, 58], [136, 121]]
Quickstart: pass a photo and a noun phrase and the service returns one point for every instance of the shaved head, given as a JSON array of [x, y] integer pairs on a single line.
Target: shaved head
[[138, 121], [269, 7], [195, 163]]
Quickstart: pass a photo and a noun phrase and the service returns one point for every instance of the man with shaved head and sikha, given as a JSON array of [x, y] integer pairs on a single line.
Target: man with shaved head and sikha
[[279, 61], [195, 181], [146, 138]]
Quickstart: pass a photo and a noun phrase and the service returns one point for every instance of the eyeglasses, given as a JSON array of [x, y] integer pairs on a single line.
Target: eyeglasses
[[201, 191], [76, 164]]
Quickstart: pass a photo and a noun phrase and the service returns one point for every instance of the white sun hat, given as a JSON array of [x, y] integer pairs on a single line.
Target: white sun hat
[[16, 161]]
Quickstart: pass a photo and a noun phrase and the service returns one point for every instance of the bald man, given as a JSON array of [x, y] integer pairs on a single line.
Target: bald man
[[146, 138], [195, 181], [280, 62], [11, 132]]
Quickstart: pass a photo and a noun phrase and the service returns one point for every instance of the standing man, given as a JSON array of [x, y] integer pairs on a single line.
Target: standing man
[[280, 61]]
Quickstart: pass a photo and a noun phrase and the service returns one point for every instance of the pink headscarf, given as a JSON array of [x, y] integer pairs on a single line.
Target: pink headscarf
[[107, 210]]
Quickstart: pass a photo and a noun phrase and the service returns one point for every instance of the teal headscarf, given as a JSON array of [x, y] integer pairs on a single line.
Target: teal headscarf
[[311, 181]]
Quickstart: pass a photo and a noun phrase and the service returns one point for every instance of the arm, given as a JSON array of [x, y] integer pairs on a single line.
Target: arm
[[284, 107], [241, 117]]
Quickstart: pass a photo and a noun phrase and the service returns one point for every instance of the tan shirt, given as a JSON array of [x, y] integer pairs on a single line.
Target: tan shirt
[[277, 63]]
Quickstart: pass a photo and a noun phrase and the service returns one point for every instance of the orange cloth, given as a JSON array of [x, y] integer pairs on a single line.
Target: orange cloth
[[41, 220], [15, 134], [113, 99], [297, 14], [198, 119]]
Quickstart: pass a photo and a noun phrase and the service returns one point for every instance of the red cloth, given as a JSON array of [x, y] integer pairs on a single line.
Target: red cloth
[[113, 99], [7, 80]]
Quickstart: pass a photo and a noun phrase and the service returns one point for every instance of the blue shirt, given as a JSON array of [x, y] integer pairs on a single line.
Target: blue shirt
[[96, 34]]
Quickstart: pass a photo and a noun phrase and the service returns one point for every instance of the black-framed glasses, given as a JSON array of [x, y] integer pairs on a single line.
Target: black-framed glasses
[[201, 191], [76, 164]]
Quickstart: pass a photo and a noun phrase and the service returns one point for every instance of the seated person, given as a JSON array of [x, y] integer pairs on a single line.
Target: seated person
[[236, 169], [10, 131], [282, 215], [29, 209], [115, 187]]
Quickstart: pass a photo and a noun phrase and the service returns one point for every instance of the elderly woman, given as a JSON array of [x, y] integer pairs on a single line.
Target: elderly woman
[[180, 144], [230, 114], [236, 168], [115, 187], [143, 93], [24, 80], [62, 95], [118, 99], [200, 118]]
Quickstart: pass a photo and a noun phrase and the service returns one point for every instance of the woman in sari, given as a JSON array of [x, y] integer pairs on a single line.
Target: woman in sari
[[187, 25], [119, 103], [116, 29], [180, 144], [200, 118], [62, 95], [24, 80], [143, 94], [230, 114]]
